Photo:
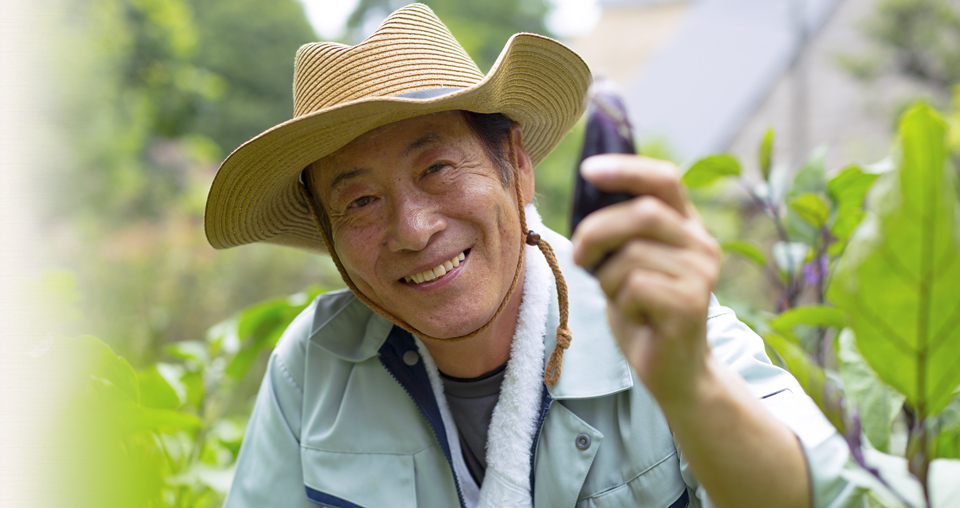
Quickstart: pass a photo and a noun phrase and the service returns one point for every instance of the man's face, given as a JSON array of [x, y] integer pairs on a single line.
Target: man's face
[[422, 223]]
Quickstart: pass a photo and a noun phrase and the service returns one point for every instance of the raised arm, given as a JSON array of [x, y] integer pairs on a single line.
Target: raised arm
[[657, 264]]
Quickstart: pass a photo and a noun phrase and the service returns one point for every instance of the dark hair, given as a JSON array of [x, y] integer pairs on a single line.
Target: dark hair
[[493, 131]]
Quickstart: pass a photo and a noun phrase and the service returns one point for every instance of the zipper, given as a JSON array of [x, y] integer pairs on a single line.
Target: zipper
[[400, 341], [545, 402]]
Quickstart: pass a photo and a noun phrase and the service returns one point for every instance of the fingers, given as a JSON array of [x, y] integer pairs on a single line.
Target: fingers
[[636, 175], [669, 263], [648, 278], [646, 217]]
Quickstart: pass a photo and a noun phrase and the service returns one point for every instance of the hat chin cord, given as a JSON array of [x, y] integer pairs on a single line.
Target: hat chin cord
[[551, 374]]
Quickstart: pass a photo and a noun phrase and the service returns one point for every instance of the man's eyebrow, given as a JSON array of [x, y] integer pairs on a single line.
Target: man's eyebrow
[[343, 176], [427, 139]]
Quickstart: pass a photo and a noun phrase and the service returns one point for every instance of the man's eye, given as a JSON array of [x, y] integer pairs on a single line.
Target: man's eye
[[361, 202], [435, 167]]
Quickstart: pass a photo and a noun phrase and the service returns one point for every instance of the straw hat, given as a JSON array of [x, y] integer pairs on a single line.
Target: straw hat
[[410, 66]]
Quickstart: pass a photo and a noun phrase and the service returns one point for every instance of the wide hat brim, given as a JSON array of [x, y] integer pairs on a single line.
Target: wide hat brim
[[256, 197]]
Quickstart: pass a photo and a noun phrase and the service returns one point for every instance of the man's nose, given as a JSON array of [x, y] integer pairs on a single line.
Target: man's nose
[[415, 220]]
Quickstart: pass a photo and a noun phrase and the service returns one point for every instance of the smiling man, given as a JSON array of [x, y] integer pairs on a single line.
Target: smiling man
[[472, 361]]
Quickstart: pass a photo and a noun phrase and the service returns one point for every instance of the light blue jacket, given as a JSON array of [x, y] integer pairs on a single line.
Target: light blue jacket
[[341, 420]]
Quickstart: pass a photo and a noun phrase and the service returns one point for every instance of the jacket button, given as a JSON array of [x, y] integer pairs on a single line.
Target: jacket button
[[411, 358], [583, 441]]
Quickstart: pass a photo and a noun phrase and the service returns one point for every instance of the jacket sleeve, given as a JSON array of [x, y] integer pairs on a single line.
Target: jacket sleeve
[[268, 467], [826, 452]]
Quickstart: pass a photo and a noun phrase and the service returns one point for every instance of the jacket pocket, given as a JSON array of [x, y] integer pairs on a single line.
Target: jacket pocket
[[659, 486], [349, 480]]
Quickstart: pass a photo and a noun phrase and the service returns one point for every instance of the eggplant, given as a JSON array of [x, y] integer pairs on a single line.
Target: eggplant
[[608, 131]]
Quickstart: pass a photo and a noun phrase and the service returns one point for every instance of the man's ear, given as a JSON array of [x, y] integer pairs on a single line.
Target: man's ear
[[521, 161]]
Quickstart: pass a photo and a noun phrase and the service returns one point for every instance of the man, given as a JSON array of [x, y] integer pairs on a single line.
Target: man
[[452, 373]]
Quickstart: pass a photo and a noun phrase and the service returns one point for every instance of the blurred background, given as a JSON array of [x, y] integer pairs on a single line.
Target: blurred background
[[116, 113]]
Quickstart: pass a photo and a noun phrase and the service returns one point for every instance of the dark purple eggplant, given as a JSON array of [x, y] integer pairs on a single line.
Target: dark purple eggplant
[[608, 131]]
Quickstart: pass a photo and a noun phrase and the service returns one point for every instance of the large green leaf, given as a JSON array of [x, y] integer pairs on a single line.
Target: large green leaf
[[96, 361], [708, 169], [900, 275], [878, 403]]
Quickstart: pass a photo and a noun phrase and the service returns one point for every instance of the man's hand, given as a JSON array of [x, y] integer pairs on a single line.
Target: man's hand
[[657, 264]]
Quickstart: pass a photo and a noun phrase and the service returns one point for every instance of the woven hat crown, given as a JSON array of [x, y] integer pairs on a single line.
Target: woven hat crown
[[411, 51]]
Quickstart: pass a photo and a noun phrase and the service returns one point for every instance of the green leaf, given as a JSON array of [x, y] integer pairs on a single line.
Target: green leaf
[[193, 382], [878, 403], [810, 376], [158, 420], [156, 391], [261, 326], [193, 351], [947, 442], [810, 179], [96, 361], [709, 169], [899, 275], [811, 208], [746, 249], [898, 484], [809, 315], [847, 189], [763, 155]]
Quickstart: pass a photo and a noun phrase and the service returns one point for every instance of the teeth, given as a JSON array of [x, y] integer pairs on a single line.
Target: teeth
[[436, 272]]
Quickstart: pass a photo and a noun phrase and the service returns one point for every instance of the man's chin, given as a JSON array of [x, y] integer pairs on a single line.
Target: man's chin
[[450, 331]]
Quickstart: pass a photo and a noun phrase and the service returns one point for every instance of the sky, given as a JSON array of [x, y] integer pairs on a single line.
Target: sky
[[569, 18]]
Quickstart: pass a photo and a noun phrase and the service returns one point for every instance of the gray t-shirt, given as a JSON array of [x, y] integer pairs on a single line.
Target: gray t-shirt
[[471, 403]]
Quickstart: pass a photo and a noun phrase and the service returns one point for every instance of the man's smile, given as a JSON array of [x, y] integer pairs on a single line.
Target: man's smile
[[438, 271]]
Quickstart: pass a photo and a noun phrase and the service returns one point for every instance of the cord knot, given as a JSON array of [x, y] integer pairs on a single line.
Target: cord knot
[[532, 238], [563, 337]]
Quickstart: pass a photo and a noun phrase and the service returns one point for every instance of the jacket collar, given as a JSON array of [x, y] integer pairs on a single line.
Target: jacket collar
[[593, 366], [347, 328]]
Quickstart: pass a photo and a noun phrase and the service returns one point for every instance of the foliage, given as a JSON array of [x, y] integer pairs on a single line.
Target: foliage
[[887, 352], [914, 39], [166, 435], [922, 36], [153, 95]]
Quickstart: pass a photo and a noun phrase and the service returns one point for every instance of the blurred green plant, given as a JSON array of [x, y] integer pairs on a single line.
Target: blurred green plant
[[166, 435], [892, 269], [482, 28], [153, 95], [915, 38]]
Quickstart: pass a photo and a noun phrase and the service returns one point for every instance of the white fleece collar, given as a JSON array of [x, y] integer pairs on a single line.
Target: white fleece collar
[[513, 425]]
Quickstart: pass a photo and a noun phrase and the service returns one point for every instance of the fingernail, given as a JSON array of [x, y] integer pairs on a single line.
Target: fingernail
[[598, 165]]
